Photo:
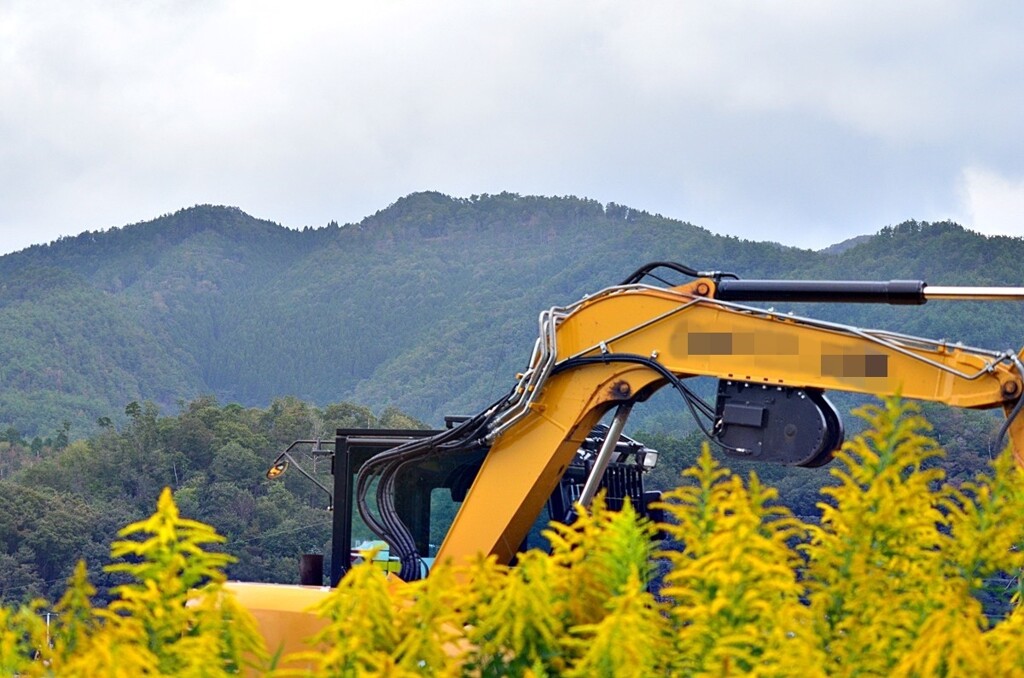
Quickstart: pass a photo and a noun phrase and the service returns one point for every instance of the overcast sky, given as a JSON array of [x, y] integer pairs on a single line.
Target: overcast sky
[[803, 122]]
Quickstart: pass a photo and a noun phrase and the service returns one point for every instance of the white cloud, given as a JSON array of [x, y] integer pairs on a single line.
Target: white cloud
[[992, 203], [761, 119]]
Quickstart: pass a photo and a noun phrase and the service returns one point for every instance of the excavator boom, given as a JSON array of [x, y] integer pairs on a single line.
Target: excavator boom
[[615, 348], [620, 345]]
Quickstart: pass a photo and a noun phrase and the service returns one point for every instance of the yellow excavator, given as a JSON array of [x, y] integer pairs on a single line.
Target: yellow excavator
[[480, 485]]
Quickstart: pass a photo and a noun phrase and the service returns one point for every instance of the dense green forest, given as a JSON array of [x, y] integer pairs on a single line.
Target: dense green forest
[[904, 574], [65, 500], [429, 306], [426, 308]]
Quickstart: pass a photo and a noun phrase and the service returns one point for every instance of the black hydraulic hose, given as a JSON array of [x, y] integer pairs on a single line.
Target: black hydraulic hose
[[648, 270], [380, 466], [1016, 408], [380, 462], [469, 435], [387, 465], [1006, 424], [677, 383], [390, 526], [692, 400], [401, 537], [645, 270], [462, 438]]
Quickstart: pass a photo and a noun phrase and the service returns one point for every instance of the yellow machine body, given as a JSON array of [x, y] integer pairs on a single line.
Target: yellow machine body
[[687, 332]]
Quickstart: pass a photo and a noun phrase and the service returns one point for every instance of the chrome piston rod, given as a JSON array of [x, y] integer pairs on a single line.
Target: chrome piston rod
[[604, 455], [974, 293]]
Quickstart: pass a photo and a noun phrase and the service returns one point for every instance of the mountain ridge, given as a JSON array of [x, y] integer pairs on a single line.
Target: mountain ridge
[[428, 305]]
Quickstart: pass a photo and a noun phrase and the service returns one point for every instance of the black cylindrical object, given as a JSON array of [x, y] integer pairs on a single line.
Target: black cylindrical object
[[311, 569], [904, 292]]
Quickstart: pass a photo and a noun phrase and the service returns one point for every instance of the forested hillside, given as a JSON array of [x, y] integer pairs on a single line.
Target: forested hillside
[[61, 501], [65, 501], [430, 305], [189, 350]]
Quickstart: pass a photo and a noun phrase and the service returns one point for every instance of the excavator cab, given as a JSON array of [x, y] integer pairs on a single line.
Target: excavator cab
[[429, 492]]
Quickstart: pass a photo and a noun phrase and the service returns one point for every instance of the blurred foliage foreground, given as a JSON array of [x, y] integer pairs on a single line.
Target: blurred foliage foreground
[[888, 584]]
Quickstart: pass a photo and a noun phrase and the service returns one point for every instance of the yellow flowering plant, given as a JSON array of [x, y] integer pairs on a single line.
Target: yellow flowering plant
[[172, 617], [890, 582]]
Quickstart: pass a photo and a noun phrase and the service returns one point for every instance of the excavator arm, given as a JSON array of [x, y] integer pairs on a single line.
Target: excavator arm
[[620, 345]]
